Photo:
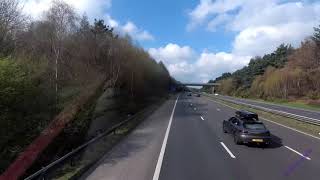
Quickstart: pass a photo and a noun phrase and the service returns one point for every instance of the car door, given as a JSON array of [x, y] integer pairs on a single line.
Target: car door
[[228, 125], [232, 124], [235, 125]]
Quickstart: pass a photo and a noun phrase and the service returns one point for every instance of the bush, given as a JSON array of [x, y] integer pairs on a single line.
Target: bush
[[25, 108]]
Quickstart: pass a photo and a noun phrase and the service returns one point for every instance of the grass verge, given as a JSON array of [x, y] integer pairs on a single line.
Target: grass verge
[[292, 123], [293, 104]]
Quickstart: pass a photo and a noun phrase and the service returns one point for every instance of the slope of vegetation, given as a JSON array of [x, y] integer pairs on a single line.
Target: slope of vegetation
[[287, 74], [45, 64]]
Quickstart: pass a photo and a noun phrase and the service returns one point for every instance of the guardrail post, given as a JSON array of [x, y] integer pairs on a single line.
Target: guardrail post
[[42, 176], [72, 162]]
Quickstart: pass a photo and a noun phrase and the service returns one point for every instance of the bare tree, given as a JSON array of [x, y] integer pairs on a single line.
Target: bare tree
[[63, 18], [11, 21]]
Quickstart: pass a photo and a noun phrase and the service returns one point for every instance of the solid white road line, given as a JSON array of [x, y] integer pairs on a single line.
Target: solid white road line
[[164, 144], [202, 118], [298, 153], [222, 104], [293, 129], [226, 148]]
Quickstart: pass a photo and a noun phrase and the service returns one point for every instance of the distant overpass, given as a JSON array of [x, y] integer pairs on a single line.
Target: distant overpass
[[200, 84], [212, 85]]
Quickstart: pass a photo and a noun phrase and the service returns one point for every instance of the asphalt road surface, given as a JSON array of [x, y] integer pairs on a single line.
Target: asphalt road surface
[[183, 140], [297, 111]]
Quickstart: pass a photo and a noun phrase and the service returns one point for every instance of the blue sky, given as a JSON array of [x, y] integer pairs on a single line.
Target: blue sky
[[198, 40], [167, 20]]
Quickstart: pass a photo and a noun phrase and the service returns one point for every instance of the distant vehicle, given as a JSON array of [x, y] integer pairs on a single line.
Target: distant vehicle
[[189, 94], [216, 94], [198, 95], [246, 128]]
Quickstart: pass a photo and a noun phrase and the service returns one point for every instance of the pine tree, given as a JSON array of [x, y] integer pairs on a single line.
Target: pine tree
[[316, 35]]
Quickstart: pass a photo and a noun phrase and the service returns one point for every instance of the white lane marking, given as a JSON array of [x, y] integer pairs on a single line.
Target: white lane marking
[[298, 153], [202, 118], [274, 110], [293, 129], [222, 104], [218, 109], [164, 144], [226, 148]]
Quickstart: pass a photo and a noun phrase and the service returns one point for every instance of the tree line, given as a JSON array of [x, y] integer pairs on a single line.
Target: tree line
[[287, 73], [46, 63]]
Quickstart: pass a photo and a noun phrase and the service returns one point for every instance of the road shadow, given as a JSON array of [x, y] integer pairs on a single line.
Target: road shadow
[[276, 142], [194, 109]]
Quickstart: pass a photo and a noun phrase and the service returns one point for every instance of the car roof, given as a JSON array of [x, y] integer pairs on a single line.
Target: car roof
[[244, 120], [245, 112]]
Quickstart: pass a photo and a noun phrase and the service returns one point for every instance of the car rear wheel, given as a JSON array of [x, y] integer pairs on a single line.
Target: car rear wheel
[[265, 145]]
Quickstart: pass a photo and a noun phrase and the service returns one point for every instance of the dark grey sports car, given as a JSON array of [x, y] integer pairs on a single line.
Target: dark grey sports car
[[246, 128]]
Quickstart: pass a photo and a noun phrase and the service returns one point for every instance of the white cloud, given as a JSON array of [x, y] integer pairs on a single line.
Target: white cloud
[[264, 39], [131, 29], [273, 14], [220, 19], [187, 66], [144, 35], [261, 25], [207, 8], [110, 21], [94, 9], [172, 53]]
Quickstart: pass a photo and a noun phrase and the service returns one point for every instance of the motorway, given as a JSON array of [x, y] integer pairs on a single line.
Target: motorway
[[183, 140], [297, 111]]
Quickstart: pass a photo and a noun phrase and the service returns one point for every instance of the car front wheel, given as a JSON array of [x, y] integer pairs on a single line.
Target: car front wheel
[[224, 129]]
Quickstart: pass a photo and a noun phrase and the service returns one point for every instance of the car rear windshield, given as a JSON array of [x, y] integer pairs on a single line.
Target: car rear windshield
[[252, 116], [254, 126]]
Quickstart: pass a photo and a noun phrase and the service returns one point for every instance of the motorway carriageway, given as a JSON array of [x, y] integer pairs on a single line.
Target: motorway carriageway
[[297, 111], [183, 140]]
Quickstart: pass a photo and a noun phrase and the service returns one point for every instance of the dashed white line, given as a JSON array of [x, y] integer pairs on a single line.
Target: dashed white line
[[293, 129], [226, 148], [218, 109], [308, 158], [164, 144], [202, 118]]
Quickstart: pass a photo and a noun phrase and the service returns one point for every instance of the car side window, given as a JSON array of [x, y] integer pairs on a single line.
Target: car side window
[[238, 123], [234, 120], [230, 119]]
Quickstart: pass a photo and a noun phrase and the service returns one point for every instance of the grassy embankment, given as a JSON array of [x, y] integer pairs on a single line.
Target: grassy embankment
[[295, 104]]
